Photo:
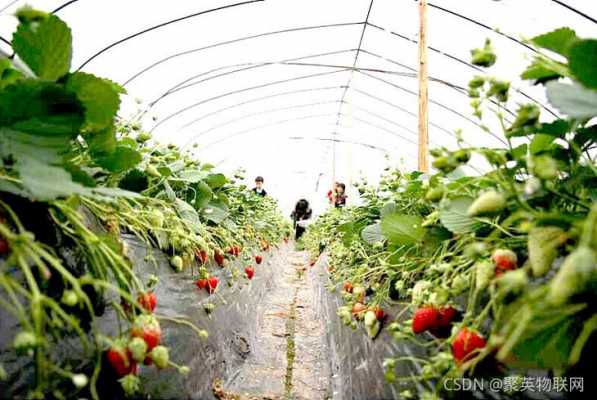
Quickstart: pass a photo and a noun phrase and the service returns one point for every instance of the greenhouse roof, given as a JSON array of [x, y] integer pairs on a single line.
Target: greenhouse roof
[[298, 91]]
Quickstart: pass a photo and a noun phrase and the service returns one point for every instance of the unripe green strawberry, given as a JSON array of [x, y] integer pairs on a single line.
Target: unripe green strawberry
[[143, 137], [462, 155], [513, 281], [160, 356], [444, 164], [435, 194], [370, 318], [490, 202], [177, 263], [25, 342], [79, 380], [577, 274], [130, 384], [484, 272], [459, 284], [69, 298], [373, 329], [543, 246], [475, 250], [138, 348], [153, 171], [545, 167], [484, 57]]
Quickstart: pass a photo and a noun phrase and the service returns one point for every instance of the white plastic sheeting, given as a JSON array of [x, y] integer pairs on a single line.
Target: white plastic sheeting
[[297, 90]]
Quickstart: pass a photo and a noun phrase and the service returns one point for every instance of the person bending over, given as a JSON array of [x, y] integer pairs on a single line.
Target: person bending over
[[302, 212]]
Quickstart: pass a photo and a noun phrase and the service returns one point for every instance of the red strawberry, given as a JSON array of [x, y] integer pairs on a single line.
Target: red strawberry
[[379, 312], [250, 272], [258, 259], [231, 251], [148, 301], [201, 283], [311, 263], [465, 343], [120, 360], [219, 257], [237, 250], [443, 325], [4, 247], [425, 318], [147, 328], [212, 284], [202, 257], [504, 260], [348, 287]]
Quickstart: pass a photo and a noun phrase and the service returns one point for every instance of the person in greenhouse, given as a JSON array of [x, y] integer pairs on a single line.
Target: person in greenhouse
[[340, 197], [258, 189], [301, 214]]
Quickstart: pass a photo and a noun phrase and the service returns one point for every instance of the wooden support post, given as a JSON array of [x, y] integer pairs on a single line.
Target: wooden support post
[[423, 89]]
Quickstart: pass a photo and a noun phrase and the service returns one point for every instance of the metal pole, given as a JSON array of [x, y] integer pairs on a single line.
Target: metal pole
[[423, 89]]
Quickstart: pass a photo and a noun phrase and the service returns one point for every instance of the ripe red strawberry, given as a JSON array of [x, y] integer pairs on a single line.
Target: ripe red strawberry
[[202, 257], [504, 260], [379, 313], [219, 257], [231, 251], [212, 284], [250, 272], [348, 287], [148, 328], [465, 343], [443, 325], [148, 301], [425, 318], [201, 283], [237, 250], [120, 359], [258, 259]]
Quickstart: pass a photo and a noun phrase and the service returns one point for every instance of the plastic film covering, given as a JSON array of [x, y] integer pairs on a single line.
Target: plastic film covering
[[305, 91]]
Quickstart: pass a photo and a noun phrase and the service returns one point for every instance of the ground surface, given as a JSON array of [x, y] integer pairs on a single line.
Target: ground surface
[[289, 359]]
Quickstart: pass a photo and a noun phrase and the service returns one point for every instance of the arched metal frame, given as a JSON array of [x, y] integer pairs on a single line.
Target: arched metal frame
[[345, 88]]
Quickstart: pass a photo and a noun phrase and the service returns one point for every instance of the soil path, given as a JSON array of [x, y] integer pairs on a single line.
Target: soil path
[[289, 359]]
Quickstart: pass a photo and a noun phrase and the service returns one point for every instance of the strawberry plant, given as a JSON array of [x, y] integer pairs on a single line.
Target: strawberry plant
[[74, 177], [501, 267]]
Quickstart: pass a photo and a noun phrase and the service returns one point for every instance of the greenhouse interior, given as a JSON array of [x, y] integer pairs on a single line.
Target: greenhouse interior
[[283, 199]]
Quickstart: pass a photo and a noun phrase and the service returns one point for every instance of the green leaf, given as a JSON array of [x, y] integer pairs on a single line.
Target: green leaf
[[192, 175], [402, 229], [372, 233], [558, 41], [216, 181], [540, 71], [388, 208], [99, 98], [121, 159], [540, 143], [558, 127], [572, 100], [519, 152], [188, 214], [8, 75], [216, 212], [102, 142], [46, 47], [453, 215], [46, 149], [46, 182], [204, 195], [40, 107], [582, 61]]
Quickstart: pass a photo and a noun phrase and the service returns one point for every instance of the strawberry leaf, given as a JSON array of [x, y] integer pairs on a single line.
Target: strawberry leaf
[[402, 229], [99, 98], [583, 62], [557, 41], [45, 46]]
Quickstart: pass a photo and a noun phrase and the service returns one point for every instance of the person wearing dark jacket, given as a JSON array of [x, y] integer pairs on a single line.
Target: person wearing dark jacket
[[258, 189], [302, 212]]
